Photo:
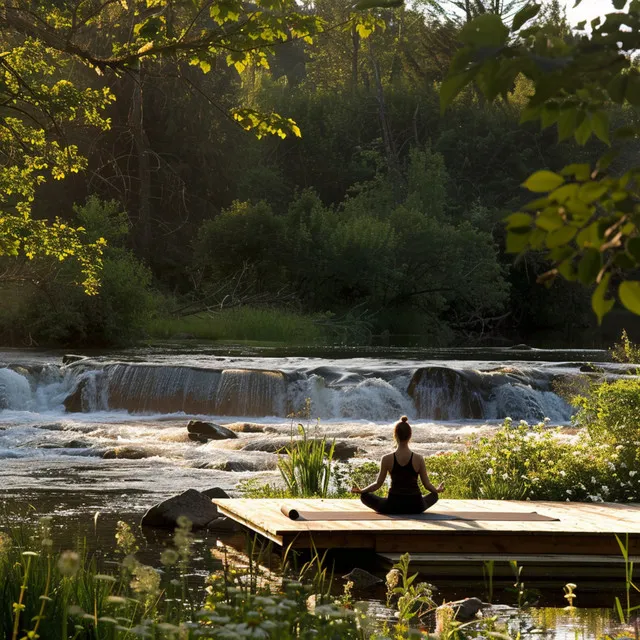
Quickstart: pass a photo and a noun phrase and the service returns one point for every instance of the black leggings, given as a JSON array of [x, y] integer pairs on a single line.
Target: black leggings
[[396, 504]]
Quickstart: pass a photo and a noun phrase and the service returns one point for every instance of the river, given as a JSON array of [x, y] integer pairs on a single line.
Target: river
[[111, 427]]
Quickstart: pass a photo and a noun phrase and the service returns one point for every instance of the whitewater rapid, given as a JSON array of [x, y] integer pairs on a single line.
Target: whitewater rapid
[[118, 426]]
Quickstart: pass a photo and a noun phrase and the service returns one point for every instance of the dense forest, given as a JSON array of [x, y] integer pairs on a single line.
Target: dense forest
[[383, 218]]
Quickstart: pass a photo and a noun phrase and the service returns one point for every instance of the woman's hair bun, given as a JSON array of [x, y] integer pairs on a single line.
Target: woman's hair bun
[[404, 419]]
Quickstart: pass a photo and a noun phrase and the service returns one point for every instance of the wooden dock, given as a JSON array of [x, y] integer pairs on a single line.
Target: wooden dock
[[481, 529]]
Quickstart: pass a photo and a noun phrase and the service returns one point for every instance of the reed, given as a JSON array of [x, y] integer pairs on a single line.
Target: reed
[[306, 466]]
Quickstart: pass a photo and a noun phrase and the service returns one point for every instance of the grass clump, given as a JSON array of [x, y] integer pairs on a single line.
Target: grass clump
[[307, 464], [241, 323]]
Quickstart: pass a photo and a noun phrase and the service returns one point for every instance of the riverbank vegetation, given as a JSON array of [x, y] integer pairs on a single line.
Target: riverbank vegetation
[[49, 594], [383, 218]]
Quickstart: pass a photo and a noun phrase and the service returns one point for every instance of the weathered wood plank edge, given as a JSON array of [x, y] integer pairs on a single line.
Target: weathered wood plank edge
[[249, 524]]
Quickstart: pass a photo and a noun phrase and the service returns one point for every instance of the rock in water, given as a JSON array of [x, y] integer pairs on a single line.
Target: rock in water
[[204, 431], [73, 402], [223, 525], [246, 427], [362, 579], [342, 451], [215, 492], [68, 358], [192, 504], [467, 609], [125, 453]]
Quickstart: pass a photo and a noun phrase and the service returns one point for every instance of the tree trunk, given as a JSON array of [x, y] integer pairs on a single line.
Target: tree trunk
[[143, 153]]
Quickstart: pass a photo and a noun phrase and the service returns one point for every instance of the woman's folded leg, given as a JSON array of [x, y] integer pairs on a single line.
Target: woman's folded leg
[[429, 500], [374, 502]]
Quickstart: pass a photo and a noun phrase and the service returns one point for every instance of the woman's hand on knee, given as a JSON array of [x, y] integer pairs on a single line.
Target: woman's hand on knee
[[440, 487], [356, 490]]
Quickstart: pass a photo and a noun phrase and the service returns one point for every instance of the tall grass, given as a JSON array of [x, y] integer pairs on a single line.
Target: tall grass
[[241, 323], [306, 467]]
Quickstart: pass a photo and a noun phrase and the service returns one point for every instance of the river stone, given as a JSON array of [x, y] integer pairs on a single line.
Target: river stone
[[204, 431], [342, 451], [215, 492], [192, 504], [223, 525], [466, 610], [68, 358], [246, 427], [125, 453], [362, 579], [73, 402], [236, 466]]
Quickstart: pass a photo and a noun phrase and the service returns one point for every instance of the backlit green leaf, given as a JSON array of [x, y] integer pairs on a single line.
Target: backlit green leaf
[[629, 293], [542, 181], [599, 302], [519, 220], [561, 236]]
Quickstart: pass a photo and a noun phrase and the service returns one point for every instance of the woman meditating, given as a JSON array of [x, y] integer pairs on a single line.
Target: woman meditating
[[404, 467]]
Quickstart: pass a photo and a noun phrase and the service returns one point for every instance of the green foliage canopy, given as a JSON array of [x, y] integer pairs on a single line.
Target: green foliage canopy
[[584, 216], [41, 44]]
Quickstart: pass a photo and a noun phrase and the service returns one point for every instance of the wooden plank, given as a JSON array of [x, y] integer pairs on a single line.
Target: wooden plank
[[586, 529]]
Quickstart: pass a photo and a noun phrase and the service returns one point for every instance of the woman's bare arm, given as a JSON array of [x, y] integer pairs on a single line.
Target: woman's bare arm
[[384, 469], [424, 477]]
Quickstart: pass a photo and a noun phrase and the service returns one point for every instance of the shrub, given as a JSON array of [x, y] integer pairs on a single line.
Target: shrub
[[611, 412], [625, 351], [57, 311], [538, 463]]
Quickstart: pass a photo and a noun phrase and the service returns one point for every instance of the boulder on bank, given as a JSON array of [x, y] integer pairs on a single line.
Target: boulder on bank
[[201, 431], [223, 525], [191, 504], [215, 492]]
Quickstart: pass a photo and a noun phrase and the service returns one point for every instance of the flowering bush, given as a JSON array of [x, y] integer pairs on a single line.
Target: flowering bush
[[610, 411], [520, 462]]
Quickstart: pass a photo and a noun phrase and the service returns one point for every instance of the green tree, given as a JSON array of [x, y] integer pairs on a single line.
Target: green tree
[[584, 216], [40, 104]]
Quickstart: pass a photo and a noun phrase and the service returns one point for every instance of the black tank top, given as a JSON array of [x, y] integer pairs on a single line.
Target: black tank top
[[404, 479]]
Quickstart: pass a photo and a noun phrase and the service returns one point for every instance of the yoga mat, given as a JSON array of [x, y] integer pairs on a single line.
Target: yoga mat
[[484, 516], [289, 512]]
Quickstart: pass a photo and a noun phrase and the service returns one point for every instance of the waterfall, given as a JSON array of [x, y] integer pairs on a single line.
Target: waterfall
[[251, 392], [143, 388], [440, 393], [434, 392], [15, 391]]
